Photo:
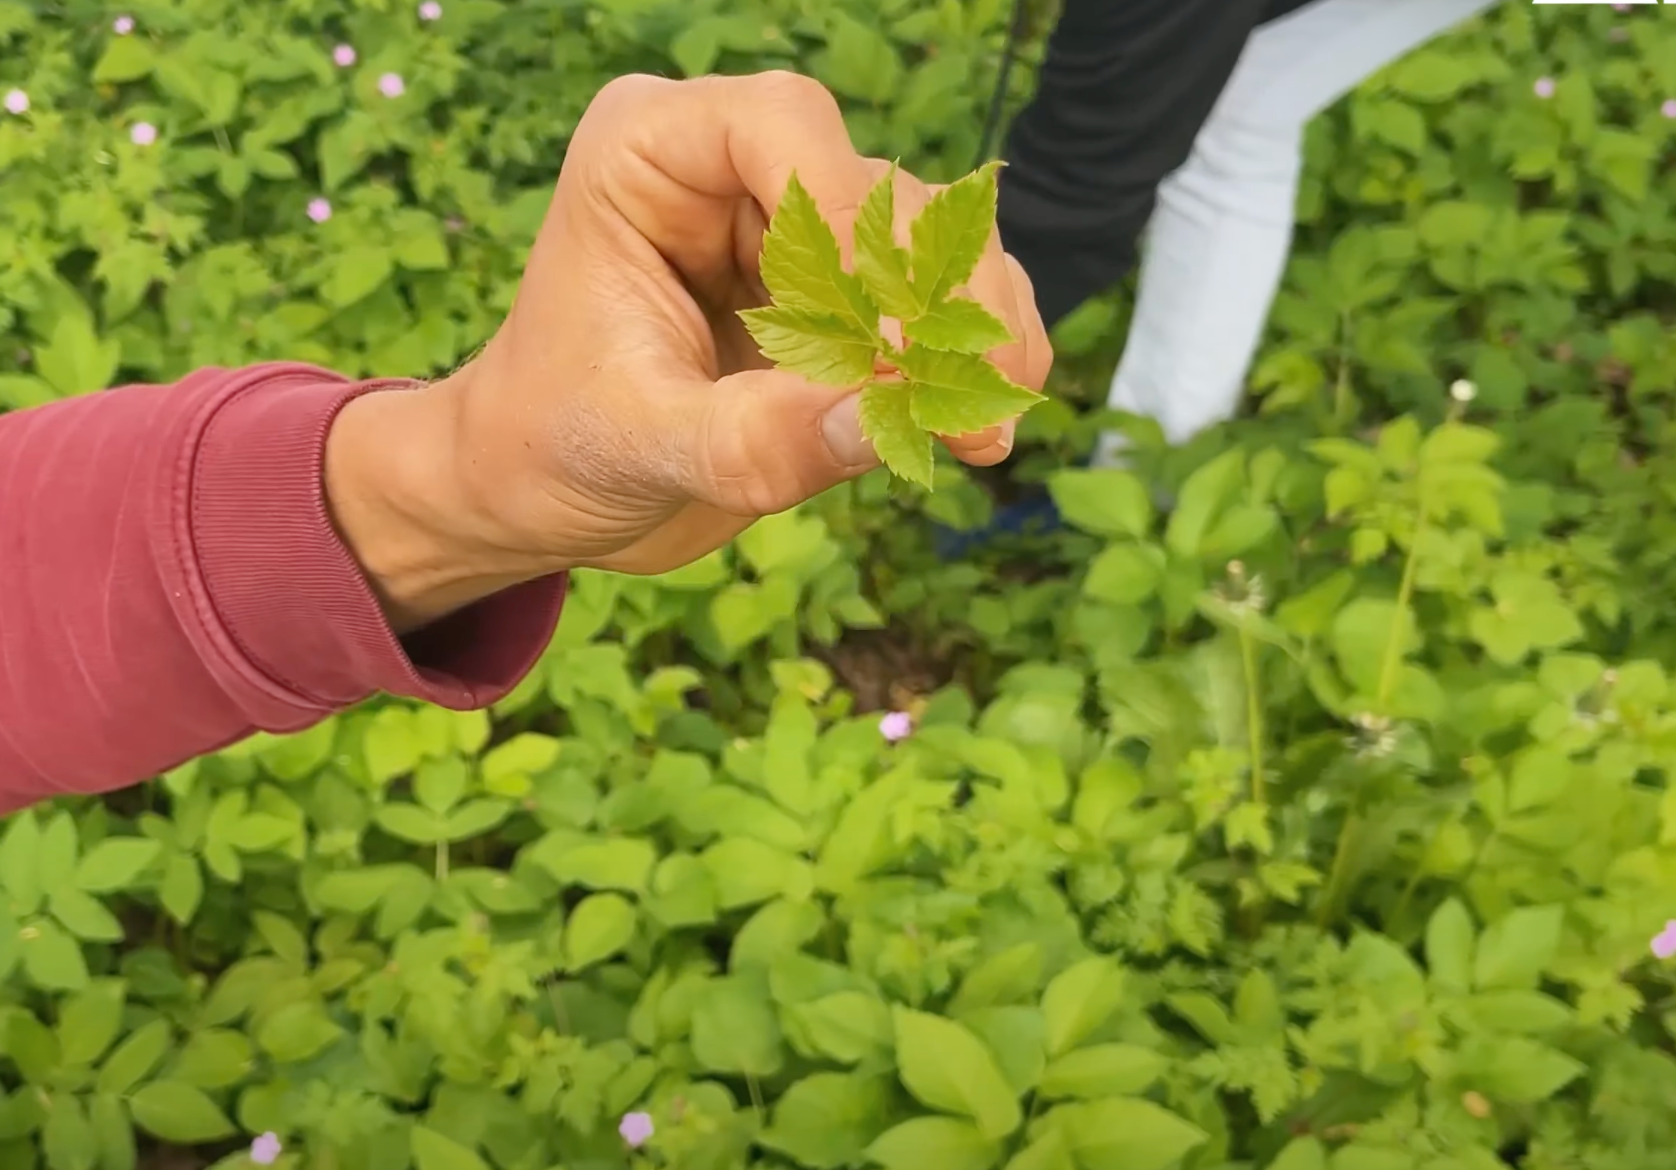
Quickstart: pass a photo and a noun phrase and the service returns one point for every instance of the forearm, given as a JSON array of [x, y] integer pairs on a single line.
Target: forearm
[[171, 578]]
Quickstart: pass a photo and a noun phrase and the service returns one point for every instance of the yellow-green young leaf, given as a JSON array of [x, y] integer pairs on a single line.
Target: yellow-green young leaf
[[355, 274], [52, 959], [1048, 1152], [124, 59], [20, 854], [800, 266], [1008, 976], [1125, 1134], [601, 863], [89, 1023], [599, 927], [1514, 951], [179, 1113], [297, 1032], [1449, 942], [68, 1139], [1104, 501], [960, 393], [132, 1060], [959, 325], [1016, 1035], [432, 1151], [945, 1143], [1515, 1069], [946, 1067], [880, 262], [1079, 1000], [949, 236], [734, 1029], [820, 346], [847, 1026], [1305, 1153], [116, 1132], [115, 863], [887, 421], [826, 1120], [84, 915], [213, 1059], [1103, 1070], [29, 1045]]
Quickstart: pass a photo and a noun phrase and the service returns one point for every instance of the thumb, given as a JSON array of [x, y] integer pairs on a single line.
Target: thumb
[[766, 440]]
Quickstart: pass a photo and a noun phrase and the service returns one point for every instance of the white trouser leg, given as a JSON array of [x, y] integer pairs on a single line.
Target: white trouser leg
[[1217, 243]]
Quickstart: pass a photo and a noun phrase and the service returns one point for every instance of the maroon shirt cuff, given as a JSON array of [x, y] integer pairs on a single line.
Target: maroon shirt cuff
[[287, 593]]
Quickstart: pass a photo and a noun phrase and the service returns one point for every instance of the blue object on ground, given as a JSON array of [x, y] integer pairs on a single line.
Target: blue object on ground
[[1035, 510]]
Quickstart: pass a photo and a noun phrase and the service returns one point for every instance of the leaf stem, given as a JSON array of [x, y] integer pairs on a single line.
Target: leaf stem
[[1338, 875], [1405, 596], [1253, 713]]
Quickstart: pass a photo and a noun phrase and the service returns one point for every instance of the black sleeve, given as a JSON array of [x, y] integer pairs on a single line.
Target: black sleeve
[[1124, 88]]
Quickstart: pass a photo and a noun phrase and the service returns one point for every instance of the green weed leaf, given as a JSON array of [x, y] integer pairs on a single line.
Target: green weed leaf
[[179, 1113], [887, 421], [946, 1067], [599, 927], [959, 393], [950, 235], [1079, 1000], [820, 346], [1126, 1134], [944, 1142], [880, 262], [800, 265]]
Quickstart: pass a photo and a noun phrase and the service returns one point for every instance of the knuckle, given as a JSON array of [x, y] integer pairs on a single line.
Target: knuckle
[[794, 91], [630, 90]]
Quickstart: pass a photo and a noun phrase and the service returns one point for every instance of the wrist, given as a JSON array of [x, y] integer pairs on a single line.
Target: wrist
[[396, 498]]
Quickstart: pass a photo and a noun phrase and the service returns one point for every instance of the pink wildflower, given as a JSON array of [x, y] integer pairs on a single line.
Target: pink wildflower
[[265, 1150], [143, 134], [430, 10], [1664, 942], [896, 726], [319, 210], [122, 25], [343, 56], [1669, 108], [391, 85], [636, 1129], [1544, 87], [17, 102]]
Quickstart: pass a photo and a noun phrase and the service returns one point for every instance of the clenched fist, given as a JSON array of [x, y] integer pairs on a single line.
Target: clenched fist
[[621, 417]]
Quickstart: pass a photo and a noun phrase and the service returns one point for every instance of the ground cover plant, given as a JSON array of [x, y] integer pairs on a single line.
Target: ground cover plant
[[1302, 804]]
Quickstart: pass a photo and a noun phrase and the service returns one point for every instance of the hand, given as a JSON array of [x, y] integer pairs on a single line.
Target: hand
[[622, 418]]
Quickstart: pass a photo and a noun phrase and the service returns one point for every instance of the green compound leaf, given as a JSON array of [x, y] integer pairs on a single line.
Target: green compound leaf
[[946, 1067], [800, 267], [822, 347], [944, 1142], [880, 262], [949, 236], [960, 393], [959, 325], [887, 421], [433, 1151], [179, 1113], [824, 322]]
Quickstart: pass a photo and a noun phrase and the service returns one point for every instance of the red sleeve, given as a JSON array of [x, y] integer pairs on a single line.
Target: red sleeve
[[170, 582]]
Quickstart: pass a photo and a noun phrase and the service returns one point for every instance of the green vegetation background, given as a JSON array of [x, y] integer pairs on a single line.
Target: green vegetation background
[[1319, 821]]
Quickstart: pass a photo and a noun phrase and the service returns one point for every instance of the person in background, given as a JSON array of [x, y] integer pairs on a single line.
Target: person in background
[[1185, 118], [258, 548]]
